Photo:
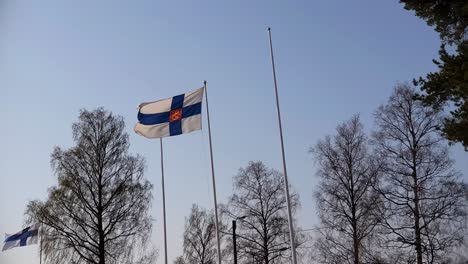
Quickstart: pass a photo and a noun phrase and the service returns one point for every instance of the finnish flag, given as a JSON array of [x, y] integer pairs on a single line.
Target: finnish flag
[[25, 237], [172, 116]]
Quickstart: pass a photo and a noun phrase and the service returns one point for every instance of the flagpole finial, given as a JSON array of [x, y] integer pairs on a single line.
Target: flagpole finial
[[269, 29], [204, 82]]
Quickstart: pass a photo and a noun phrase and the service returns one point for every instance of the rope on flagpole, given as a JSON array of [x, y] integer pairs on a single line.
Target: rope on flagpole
[[206, 175], [213, 176]]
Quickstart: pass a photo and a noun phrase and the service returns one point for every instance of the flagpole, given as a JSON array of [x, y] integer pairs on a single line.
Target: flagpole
[[213, 176], [40, 245], [286, 184], [164, 201]]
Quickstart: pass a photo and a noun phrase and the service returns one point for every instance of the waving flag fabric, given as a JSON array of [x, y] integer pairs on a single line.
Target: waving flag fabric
[[25, 237], [170, 117]]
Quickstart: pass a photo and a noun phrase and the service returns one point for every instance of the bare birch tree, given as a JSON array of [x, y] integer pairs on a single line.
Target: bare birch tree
[[263, 235], [423, 195], [346, 198], [99, 211], [199, 237]]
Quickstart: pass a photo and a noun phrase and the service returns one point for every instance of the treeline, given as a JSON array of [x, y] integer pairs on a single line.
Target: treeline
[[392, 196], [260, 208]]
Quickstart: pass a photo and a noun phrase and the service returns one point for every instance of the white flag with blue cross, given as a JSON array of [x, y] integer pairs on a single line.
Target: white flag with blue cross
[[172, 116], [25, 237]]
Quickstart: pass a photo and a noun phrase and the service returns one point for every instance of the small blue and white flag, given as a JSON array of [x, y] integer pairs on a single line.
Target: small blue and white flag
[[25, 237], [172, 116]]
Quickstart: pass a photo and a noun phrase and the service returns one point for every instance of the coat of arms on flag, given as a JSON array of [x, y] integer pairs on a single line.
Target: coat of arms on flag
[[25, 237], [172, 116]]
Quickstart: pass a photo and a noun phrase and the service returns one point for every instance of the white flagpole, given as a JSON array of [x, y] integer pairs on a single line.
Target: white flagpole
[[286, 184], [213, 176], [164, 201], [40, 244]]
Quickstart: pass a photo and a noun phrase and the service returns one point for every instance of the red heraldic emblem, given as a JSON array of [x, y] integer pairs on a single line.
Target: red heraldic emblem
[[175, 115]]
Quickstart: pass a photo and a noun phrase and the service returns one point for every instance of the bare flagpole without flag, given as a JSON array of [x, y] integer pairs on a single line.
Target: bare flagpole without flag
[[286, 184], [40, 243], [213, 177], [164, 201]]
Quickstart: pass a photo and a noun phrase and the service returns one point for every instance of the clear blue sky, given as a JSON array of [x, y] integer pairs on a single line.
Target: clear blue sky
[[334, 59]]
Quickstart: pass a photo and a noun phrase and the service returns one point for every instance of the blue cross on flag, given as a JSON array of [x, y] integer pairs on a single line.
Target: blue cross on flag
[[25, 237], [170, 117]]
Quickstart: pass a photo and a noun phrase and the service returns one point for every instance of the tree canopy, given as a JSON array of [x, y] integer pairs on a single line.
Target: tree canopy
[[99, 210], [448, 87], [423, 213], [259, 198], [448, 17], [346, 198], [199, 237]]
